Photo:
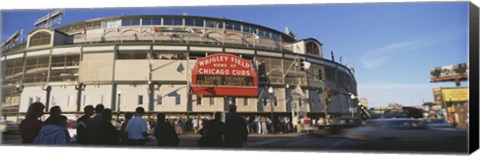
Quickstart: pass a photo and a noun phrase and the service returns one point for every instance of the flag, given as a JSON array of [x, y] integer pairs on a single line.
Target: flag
[[157, 29], [331, 52], [256, 36], [225, 32]]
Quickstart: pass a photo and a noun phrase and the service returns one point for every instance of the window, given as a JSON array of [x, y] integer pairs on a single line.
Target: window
[[129, 22], [246, 29], [237, 27], [199, 99], [131, 55], [70, 100], [110, 24], [177, 21], [245, 101], [140, 99], [194, 22], [151, 21], [215, 24], [172, 21], [159, 99], [229, 26], [40, 38], [299, 102], [275, 101], [212, 101]]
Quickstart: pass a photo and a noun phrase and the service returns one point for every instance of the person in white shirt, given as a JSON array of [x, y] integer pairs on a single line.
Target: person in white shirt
[[136, 129], [195, 125]]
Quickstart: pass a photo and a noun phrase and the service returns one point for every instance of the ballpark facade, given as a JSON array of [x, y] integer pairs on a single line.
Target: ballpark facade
[[130, 61]]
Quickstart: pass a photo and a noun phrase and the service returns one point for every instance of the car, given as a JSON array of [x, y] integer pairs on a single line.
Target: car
[[338, 125], [3, 126], [403, 130], [438, 123], [9, 127]]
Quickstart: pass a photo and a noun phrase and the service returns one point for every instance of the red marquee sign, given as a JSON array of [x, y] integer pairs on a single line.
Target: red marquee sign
[[224, 75]]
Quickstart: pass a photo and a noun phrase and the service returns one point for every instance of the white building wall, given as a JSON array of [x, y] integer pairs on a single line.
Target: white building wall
[[97, 94], [169, 70], [131, 70], [129, 97], [30, 95], [65, 97], [173, 98]]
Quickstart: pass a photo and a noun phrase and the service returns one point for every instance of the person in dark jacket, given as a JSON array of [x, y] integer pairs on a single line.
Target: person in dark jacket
[[82, 137], [92, 124], [236, 132], [31, 125], [54, 111], [214, 131], [106, 132], [54, 133], [165, 133], [123, 135]]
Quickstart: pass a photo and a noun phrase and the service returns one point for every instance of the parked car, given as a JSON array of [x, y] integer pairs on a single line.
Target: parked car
[[438, 123], [338, 125], [9, 127], [3, 126], [403, 130]]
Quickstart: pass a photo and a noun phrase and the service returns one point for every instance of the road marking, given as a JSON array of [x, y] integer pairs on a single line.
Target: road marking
[[335, 144], [299, 142], [265, 142]]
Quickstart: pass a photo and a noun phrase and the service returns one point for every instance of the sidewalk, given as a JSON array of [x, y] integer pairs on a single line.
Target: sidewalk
[[192, 135]]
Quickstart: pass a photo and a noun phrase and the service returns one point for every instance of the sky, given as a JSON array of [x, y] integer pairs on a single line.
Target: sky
[[392, 46]]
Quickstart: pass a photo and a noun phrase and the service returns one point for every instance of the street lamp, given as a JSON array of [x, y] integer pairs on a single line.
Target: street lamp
[[352, 97], [79, 87], [48, 89], [270, 91], [118, 100], [19, 88]]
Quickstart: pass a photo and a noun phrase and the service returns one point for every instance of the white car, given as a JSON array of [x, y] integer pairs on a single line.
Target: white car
[[9, 127], [3, 126], [403, 130]]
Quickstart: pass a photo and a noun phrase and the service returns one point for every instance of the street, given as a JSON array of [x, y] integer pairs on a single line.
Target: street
[[303, 142]]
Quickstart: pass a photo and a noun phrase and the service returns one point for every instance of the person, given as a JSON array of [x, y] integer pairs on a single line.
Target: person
[[165, 133], [54, 133], [31, 125], [82, 124], [123, 135], [136, 129], [214, 131], [106, 132], [92, 124], [258, 124], [321, 121], [54, 111], [298, 127], [264, 125], [235, 133], [195, 125]]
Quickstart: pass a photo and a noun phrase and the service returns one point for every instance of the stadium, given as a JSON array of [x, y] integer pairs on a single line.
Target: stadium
[[179, 65]]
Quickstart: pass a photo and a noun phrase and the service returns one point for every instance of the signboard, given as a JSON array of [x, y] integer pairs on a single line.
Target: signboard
[[449, 73], [455, 94], [224, 75]]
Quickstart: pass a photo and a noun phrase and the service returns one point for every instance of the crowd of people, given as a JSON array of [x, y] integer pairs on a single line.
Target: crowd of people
[[95, 128]]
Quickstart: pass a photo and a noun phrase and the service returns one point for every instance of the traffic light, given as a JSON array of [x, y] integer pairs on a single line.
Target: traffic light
[[328, 100]]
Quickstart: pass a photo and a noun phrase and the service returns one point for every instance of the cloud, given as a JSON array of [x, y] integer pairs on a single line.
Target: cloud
[[378, 57]]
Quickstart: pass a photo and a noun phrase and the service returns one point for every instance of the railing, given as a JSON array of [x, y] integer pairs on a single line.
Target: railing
[[190, 39]]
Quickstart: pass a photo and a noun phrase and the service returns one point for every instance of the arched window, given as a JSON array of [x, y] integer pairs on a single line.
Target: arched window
[[40, 38], [312, 48]]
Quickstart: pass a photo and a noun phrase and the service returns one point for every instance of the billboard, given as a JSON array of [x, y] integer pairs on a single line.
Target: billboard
[[455, 94], [449, 73], [224, 75]]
